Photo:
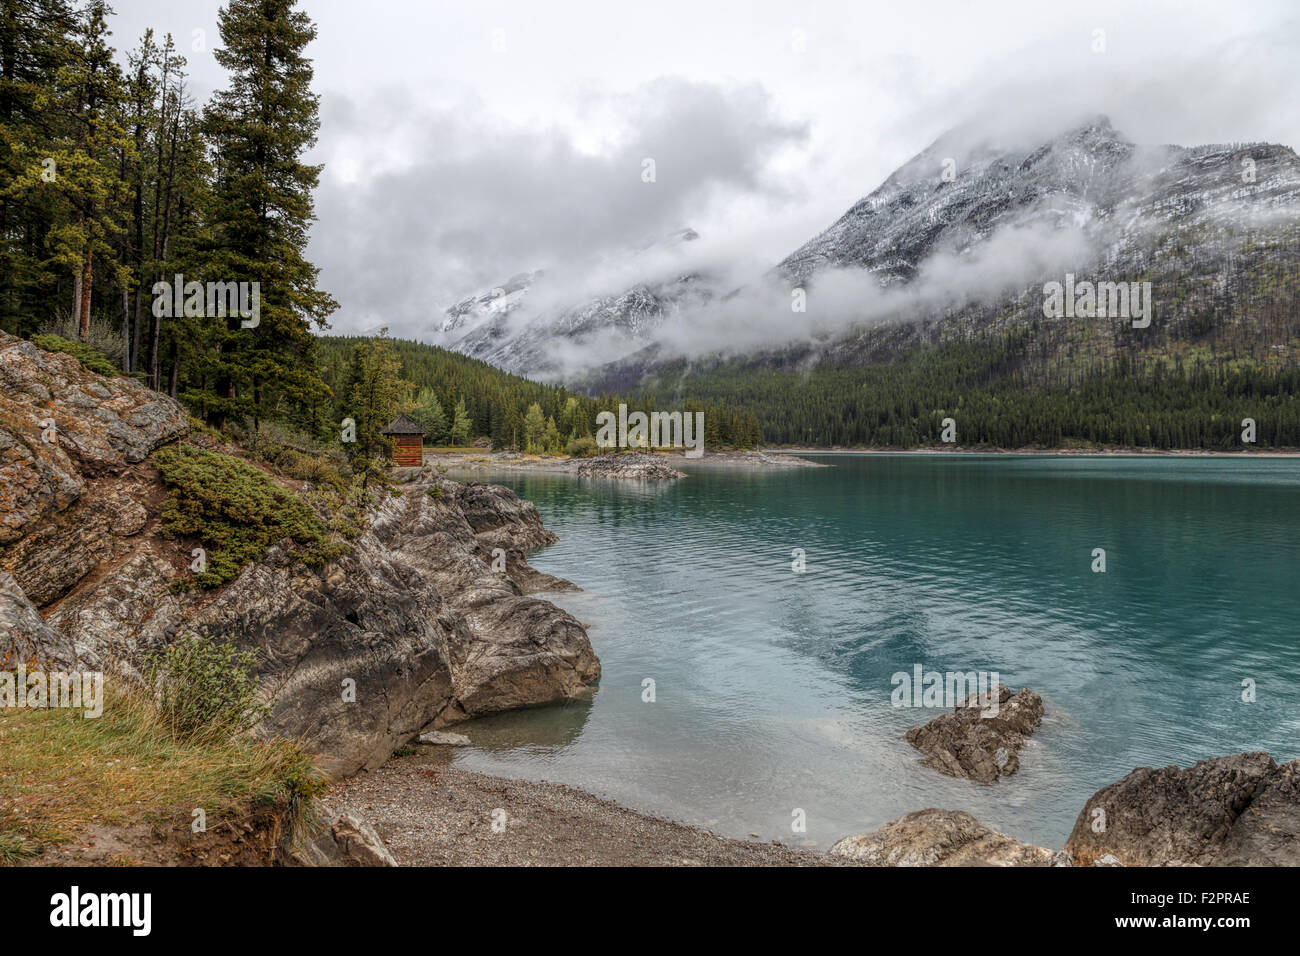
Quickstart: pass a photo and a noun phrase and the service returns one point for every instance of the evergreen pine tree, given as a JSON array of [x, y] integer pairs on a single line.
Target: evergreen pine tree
[[260, 126], [460, 424]]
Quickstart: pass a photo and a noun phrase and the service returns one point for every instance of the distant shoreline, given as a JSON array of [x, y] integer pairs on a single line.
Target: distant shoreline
[[1052, 452], [501, 461]]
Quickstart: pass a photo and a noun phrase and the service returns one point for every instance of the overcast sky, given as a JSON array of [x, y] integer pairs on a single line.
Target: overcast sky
[[464, 142]]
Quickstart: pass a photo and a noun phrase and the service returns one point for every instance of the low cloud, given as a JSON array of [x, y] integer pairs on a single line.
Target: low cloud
[[453, 202]]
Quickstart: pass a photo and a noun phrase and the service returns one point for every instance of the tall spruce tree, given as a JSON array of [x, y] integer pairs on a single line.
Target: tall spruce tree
[[374, 392], [71, 165], [430, 414], [259, 128], [36, 41]]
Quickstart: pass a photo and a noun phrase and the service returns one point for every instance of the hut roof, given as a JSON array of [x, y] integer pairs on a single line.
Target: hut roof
[[401, 425]]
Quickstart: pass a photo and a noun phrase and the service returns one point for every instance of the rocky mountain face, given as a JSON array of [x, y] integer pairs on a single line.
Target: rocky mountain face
[[507, 327], [469, 313], [414, 617], [962, 238], [1123, 199]]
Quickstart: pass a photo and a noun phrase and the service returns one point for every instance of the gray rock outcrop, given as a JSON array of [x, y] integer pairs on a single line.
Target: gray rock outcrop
[[62, 425], [422, 623], [1240, 810], [939, 838], [979, 740], [337, 839]]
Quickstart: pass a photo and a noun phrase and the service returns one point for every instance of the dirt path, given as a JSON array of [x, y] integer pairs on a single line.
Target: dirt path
[[431, 814]]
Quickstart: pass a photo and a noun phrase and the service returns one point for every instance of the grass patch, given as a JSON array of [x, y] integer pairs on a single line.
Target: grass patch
[[236, 511], [62, 772]]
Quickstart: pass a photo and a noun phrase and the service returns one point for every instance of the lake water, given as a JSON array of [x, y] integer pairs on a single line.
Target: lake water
[[773, 688]]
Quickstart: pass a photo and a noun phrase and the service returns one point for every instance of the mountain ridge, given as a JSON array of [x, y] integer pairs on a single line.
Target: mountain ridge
[[1002, 219]]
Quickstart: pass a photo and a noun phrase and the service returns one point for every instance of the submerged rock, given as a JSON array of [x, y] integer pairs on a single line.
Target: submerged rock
[[1241, 810], [980, 740], [940, 838]]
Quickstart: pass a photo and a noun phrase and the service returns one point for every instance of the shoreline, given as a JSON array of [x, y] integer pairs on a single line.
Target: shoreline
[[499, 462], [431, 813], [1037, 452], [784, 458]]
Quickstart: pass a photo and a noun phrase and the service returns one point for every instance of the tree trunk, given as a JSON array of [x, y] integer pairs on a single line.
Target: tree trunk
[[76, 297], [133, 346], [126, 329], [153, 353], [86, 281]]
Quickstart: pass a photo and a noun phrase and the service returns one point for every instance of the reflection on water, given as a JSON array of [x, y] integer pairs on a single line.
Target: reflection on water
[[773, 688]]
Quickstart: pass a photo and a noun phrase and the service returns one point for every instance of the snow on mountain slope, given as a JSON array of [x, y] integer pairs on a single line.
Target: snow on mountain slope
[[967, 231], [1092, 179], [527, 327]]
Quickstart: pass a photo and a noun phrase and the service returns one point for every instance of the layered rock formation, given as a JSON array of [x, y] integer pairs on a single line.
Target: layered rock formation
[[980, 740], [61, 427], [422, 623]]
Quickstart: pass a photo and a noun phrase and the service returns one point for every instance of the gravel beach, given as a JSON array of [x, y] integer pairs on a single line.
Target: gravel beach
[[430, 814]]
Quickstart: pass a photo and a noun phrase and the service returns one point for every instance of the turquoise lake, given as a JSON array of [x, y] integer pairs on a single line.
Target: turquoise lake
[[773, 688]]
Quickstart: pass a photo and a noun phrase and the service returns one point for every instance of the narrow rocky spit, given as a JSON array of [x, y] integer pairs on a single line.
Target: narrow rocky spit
[[647, 467], [636, 465]]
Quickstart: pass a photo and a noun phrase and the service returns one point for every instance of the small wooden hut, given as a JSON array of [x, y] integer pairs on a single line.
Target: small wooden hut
[[408, 442]]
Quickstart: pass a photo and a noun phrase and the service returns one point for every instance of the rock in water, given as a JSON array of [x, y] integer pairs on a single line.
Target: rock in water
[[629, 466], [940, 838], [1242, 810], [980, 743]]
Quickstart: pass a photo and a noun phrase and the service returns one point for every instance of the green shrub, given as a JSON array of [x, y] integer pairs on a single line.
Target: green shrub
[[205, 687], [584, 447], [236, 511], [104, 335], [87, 355]]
